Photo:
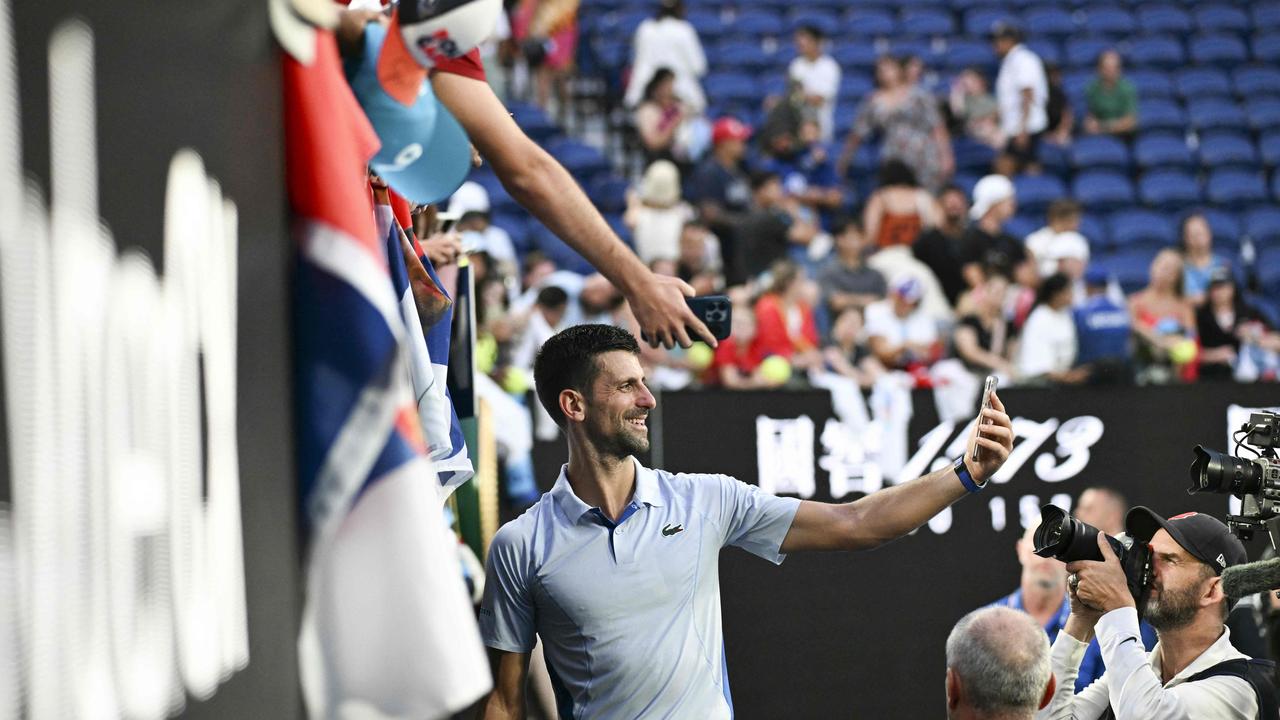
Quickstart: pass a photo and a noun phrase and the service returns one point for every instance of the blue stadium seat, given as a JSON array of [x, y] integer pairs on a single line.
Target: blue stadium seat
[[1054, 159], [824, 21], [965, 181], [961, 54], [1047, 48], [1161, 115], [1093, 152], [912, 47], [1215, 114], [707, 23], [583, 161], [609, 193], [972, 156], [1222, 18], [855, 86], [1035, 192], [1266, 16], [979, 21], [843, 118], [855, 56], [1263, 225], [1266, 48], [1227, 150], [1049, 20], [1101, 190], [1169, 189], [1083, 52], [775, 85], [1263, 113], [1020, 226], [1151, 83], [535, 123], [517, 226], [1157, 51], [1236, 188], [927, 22], [1254, 81], [869, 22], [1225, 227], [740, 56], [1221, 50], [1269, 147], [1164, 19], [1108, 20], [565, 257], [757, 22], [1130, 268], [1095, 231], [1074, 83], [1130, 228], [1162, 150], [1198, 82], [1275, 185], [1269, 271], [731, 88]]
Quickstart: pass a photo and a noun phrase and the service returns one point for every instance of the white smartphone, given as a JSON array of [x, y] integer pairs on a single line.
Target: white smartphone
[[988, 387]]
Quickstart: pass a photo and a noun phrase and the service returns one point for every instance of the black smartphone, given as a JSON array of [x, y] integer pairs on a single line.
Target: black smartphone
[[715, 311]]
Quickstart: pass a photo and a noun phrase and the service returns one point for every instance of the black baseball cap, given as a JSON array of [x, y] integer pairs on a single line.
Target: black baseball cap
[[1204, 536]]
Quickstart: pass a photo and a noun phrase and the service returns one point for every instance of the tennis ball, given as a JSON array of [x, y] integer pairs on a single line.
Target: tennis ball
[[515, 381], [700, 356], [486, 353], [775, 369], [1184, 352]]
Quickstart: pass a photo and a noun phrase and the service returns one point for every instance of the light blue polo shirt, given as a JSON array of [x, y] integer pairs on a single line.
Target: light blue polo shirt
[[629, 614]]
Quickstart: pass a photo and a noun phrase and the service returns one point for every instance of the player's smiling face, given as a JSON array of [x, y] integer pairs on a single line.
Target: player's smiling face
[[617, 417]]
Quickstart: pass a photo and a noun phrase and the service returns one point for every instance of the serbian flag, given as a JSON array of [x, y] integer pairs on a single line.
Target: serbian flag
[[428, 311], [387, 628]]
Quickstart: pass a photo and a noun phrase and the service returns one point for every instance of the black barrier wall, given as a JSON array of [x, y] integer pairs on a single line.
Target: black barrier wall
[[205, 76], [845, 635]]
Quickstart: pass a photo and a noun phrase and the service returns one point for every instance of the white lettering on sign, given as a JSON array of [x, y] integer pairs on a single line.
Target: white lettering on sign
[[784, 455], [127, 582], [845, 460]]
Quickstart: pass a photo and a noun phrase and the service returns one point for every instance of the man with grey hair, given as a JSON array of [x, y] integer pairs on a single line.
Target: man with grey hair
[[997, 666]]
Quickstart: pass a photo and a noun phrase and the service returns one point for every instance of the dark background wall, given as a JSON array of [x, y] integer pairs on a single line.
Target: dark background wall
[[203, 75], [844, 635]]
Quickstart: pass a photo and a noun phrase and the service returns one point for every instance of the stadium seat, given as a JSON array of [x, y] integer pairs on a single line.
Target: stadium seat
[[1275, 185], [1266, 15], [1161, 115], [854, 87], [1255, 81], [1099, 152], [1156, 51], [1020, 226], [1035, 192], [1269, 272], [1050, 20], [757, 22], [707, 23], [823, 20], [535, 123], [738, 56], [855, 56], [1236, 188], [1222, 18], [1269, 147], [1263, 114], [1083, 52], [1216, 114], [1266, 47], [1169, 189], [609, 193], [1151, 83], [1131, 228], [912, 47], [843, 118], [1162, 150], [965, 181], [961, 54], [1047, 48], [1074, 83], [565, 257], [1108, 20], [583, 161], [1164, 19], [1054, 159], [775, 85], [1225, 227], [1198, 83], [979, 21], [1221, 50], [971, 155], [1227, 150], [869, 22], [927, 22], [1102, 191], [1095, 231], [1263, 226], [731, 88], [1130, 268]]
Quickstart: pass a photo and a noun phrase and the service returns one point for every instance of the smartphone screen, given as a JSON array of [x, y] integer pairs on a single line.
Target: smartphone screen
[[988, 387]]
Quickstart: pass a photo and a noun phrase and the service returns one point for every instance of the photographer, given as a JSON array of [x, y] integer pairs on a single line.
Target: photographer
[[1193, 672]]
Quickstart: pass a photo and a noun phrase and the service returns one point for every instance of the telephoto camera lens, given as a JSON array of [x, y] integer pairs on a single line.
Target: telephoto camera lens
[[1225, 474], [1065, 538]]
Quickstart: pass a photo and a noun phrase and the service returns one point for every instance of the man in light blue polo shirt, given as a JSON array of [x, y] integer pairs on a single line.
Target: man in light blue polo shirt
[[616, 569]]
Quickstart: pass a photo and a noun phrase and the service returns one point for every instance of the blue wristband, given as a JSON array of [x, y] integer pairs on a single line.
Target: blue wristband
[[962, 471]]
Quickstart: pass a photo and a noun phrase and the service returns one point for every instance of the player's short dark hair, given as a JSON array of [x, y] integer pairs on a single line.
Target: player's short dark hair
[[552, 297], [567, 361]]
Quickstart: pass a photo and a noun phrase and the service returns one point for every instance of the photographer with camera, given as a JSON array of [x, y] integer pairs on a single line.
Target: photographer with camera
[[1193, 672]]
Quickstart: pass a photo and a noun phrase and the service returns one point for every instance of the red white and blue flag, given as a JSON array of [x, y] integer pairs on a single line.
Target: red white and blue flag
[[388, 629]]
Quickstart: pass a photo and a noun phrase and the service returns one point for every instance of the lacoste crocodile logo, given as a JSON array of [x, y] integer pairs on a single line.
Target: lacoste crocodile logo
[[672, 529]]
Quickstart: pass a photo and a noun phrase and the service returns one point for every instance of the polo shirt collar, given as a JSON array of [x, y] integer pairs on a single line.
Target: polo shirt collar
[[647, 491], [1220, 650]]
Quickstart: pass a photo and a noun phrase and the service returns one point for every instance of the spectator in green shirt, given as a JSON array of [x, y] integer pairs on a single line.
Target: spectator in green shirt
[[1111, 99]]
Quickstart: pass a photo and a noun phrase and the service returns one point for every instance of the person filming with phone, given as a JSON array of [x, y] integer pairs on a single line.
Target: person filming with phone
[[616, 569], [1193, 672]]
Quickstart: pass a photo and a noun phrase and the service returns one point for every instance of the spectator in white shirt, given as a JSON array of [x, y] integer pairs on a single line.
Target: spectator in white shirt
[[819, 77], [899, 333], [1063, 216], [1022, 92], [1047, 350], [997, 666], [668, 40], [1193, 672]]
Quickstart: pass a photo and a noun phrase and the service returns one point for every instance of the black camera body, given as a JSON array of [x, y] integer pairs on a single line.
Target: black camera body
[[1256, 480], [1065, 538]]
